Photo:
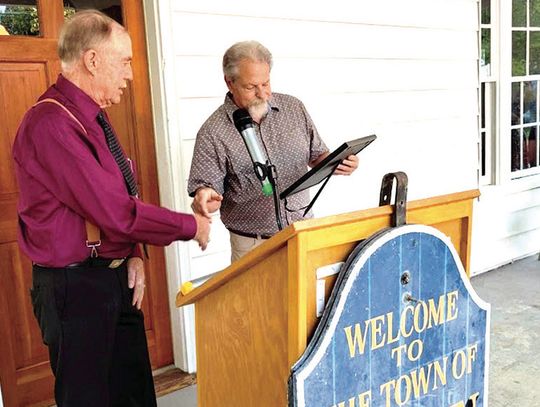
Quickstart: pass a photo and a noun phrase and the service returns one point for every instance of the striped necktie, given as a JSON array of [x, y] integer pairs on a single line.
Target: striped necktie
[[118, 154]]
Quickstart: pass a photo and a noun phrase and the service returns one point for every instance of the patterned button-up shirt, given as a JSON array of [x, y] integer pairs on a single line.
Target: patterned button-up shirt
[[221, 161]]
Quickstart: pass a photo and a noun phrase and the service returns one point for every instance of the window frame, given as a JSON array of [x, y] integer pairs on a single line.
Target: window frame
[[489, 79], [497, 104]]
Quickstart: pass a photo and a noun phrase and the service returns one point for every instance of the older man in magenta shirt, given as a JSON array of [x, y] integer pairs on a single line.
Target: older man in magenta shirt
[[80, 220]]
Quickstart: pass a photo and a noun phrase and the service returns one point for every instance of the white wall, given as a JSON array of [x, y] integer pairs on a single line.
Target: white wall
[[506, 224], [406, 71]]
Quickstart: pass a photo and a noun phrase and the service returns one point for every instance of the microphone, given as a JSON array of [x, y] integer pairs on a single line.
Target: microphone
[[244, 124]]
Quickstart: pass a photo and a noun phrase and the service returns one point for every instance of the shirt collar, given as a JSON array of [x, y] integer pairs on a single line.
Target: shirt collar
[[230, 106], [82, 101]]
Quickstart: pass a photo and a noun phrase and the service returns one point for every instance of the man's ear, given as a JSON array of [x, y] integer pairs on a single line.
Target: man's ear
[[228, 82], [90, 61]]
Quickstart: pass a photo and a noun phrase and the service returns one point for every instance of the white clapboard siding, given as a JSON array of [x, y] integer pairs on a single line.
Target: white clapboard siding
[[506, 224], [338, 39], [492, 253], [192, 113], [330, 76], [453, 14]]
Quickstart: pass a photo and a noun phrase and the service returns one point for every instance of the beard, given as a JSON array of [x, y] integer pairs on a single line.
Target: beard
[[258, 110]]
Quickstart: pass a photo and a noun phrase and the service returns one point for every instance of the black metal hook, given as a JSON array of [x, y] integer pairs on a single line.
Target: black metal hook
[[399, 217]]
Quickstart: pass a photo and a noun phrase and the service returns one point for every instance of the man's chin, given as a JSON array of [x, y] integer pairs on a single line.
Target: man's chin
[[113, 101], [258, 111]]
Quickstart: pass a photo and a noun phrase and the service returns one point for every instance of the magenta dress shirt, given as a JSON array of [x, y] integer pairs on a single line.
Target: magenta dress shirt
[[66, 176]]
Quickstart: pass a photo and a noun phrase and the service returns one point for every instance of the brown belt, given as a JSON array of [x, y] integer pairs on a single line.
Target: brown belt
[[92, 262]]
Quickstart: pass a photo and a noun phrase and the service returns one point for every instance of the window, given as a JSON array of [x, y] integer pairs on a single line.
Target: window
[[19, 19], [509, 94], [524, 82]]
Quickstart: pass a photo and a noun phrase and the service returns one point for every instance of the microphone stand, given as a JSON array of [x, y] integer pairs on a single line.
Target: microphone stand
[[272, 177]]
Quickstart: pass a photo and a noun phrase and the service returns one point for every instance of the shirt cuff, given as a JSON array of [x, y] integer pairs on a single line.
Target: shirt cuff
[[136, 251]]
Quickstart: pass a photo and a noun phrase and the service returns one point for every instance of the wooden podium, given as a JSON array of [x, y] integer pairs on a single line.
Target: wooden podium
[[255, 318]]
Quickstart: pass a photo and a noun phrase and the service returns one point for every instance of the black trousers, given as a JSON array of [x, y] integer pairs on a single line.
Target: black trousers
[[96, 339]]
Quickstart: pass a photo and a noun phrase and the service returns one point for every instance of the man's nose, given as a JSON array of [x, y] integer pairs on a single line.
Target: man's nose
[[259, 91]]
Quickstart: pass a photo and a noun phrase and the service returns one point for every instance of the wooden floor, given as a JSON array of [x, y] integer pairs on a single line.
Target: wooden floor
[[172, 380], [165, 382]]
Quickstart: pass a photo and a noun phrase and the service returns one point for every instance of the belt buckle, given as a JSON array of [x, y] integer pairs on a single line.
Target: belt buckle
[[116, 263]]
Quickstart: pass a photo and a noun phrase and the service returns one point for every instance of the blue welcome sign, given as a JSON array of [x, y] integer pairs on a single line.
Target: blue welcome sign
[[403, 327]]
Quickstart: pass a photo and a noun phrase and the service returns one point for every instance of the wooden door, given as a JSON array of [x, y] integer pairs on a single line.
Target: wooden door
[[28, 66]]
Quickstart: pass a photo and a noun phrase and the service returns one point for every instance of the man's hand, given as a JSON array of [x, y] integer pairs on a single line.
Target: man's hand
[[135, 267], [203, 230], [206, 201], [347, 166]]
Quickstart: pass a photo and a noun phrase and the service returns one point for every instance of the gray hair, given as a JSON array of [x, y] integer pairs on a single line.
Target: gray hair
[[251, 50], [83, 31]]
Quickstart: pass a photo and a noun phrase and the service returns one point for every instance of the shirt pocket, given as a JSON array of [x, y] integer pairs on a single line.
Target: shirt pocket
[[241, 180]]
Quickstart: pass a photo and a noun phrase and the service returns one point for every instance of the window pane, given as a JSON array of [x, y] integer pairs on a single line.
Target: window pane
[[533, 147], [519, 13], [534, 53], [529, 147], [529, 101], [516, 159], [19, 19], [113, 8], [69, 10], [486, 47], [534, 9], [483, 154], [486, 11], [518, 53], [516, 103], [483, 104]]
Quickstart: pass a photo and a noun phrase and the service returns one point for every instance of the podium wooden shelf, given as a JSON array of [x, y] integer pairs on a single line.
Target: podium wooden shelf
[[254, 319]]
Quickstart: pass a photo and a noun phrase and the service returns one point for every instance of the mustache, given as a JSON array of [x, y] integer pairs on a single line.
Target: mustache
[[257, 102]]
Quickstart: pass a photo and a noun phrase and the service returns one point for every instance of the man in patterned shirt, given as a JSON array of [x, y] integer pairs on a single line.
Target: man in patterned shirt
[[222, 174]]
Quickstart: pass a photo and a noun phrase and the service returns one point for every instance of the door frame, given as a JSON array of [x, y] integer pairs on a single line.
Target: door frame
[[171, 177]]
